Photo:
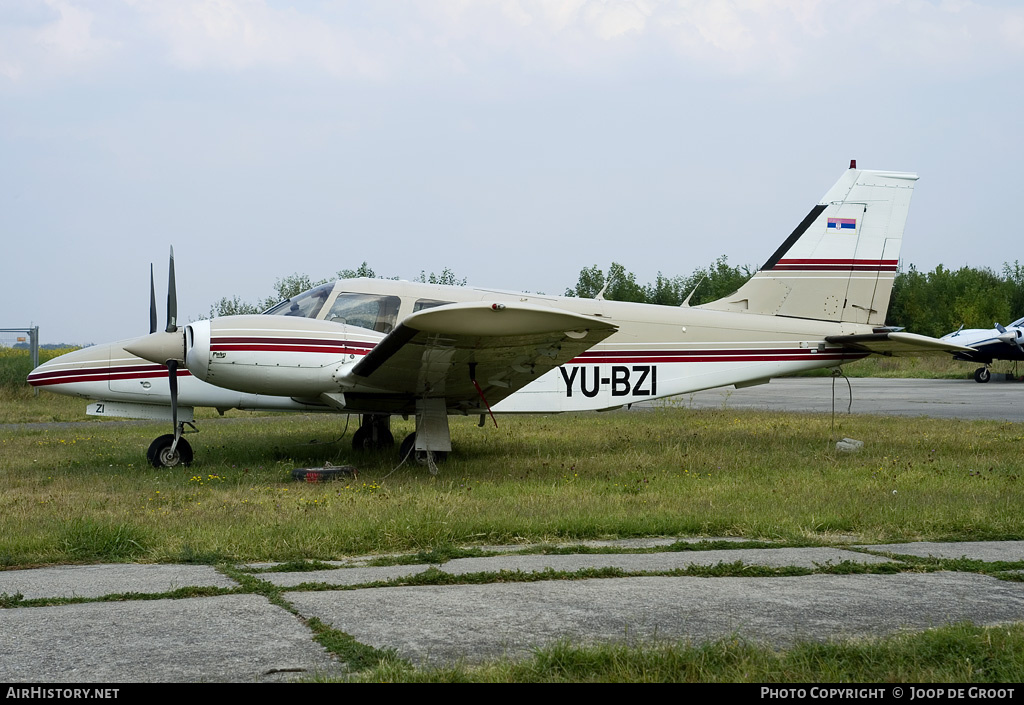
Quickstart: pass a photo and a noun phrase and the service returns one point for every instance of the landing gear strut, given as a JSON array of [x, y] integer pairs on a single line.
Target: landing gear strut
[[374, 433]]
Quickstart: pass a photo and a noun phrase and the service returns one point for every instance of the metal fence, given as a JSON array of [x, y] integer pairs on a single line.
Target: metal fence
[[27, 338], [24, 339]]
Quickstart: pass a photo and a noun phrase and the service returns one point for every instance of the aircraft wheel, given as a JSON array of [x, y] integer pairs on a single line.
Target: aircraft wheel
[[982, 375], [362, 439], [407, 450], [160, 455]]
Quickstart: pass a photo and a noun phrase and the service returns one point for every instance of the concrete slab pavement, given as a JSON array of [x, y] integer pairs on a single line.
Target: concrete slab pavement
[[245, 637]]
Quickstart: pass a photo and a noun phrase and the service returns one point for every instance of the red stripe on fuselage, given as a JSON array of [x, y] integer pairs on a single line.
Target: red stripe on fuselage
[[287, 348], [275, 344], [100, 371], [735, 355], [99, 375], [264, 339], [720, 358]]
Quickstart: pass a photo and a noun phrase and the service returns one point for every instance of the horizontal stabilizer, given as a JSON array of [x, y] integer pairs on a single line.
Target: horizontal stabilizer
[[896, 343]]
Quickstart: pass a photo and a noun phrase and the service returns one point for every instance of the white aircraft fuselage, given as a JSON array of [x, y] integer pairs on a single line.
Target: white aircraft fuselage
[[656, 351]]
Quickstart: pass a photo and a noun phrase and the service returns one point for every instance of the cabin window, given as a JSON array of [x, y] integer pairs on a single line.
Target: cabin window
[[305, 305], [379, 313], [428, 303]]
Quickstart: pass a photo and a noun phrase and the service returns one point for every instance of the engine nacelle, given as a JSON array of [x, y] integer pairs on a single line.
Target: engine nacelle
[[1013, 336], [275, 355]]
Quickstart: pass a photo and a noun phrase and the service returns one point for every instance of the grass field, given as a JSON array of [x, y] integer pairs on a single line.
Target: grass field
[[85, 493]]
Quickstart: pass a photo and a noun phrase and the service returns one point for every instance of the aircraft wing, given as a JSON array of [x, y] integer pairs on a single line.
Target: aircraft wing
[[896, 343], [439, 352]]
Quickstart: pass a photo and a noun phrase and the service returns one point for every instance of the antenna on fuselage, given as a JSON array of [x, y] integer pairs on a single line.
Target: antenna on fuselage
[[686, 301]]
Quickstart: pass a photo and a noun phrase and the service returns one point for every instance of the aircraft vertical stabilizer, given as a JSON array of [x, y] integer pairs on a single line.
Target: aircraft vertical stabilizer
[[840, 262]]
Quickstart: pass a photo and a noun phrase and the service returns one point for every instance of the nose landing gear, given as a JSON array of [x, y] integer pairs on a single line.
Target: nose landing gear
[[163, 453], [171, 450]]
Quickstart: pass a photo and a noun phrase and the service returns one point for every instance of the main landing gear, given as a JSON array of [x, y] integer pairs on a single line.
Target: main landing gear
[[982, 375], [428, 445], [374, 433]]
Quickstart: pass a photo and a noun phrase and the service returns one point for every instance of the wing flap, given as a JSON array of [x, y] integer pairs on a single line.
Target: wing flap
[[502, 347], [896, 343]]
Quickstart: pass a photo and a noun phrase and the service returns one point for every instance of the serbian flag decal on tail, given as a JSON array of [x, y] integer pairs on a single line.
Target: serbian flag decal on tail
[[837, 225]]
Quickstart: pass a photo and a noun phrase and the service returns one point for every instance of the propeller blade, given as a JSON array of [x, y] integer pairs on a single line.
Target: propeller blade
[[172, 298], [172, 378], [152, 301], [1000, 328]]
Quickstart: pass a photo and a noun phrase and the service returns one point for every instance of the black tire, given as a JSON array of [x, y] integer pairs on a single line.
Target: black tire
[[160, 456], [982, 375], [408, 450], [362, 439]]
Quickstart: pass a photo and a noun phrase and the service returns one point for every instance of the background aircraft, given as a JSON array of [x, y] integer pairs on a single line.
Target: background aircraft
[[379, 347], [988, 345]]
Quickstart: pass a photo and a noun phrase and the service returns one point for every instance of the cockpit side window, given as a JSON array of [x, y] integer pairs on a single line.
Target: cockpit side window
[[428, 303], [379, 313], [305, 305]]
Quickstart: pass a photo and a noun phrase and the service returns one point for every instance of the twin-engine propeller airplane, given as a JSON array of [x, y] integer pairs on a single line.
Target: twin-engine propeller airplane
[[988, 345], [380, 347]]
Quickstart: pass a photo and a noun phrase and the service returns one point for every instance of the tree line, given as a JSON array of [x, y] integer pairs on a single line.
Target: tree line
[[940, 301], [929, 303]]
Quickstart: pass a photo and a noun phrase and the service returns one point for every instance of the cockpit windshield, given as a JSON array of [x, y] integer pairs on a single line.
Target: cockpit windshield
[[305, 305], [373, 311]]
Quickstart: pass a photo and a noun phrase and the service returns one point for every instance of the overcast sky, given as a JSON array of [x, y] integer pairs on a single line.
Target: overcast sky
[[513, 141]]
